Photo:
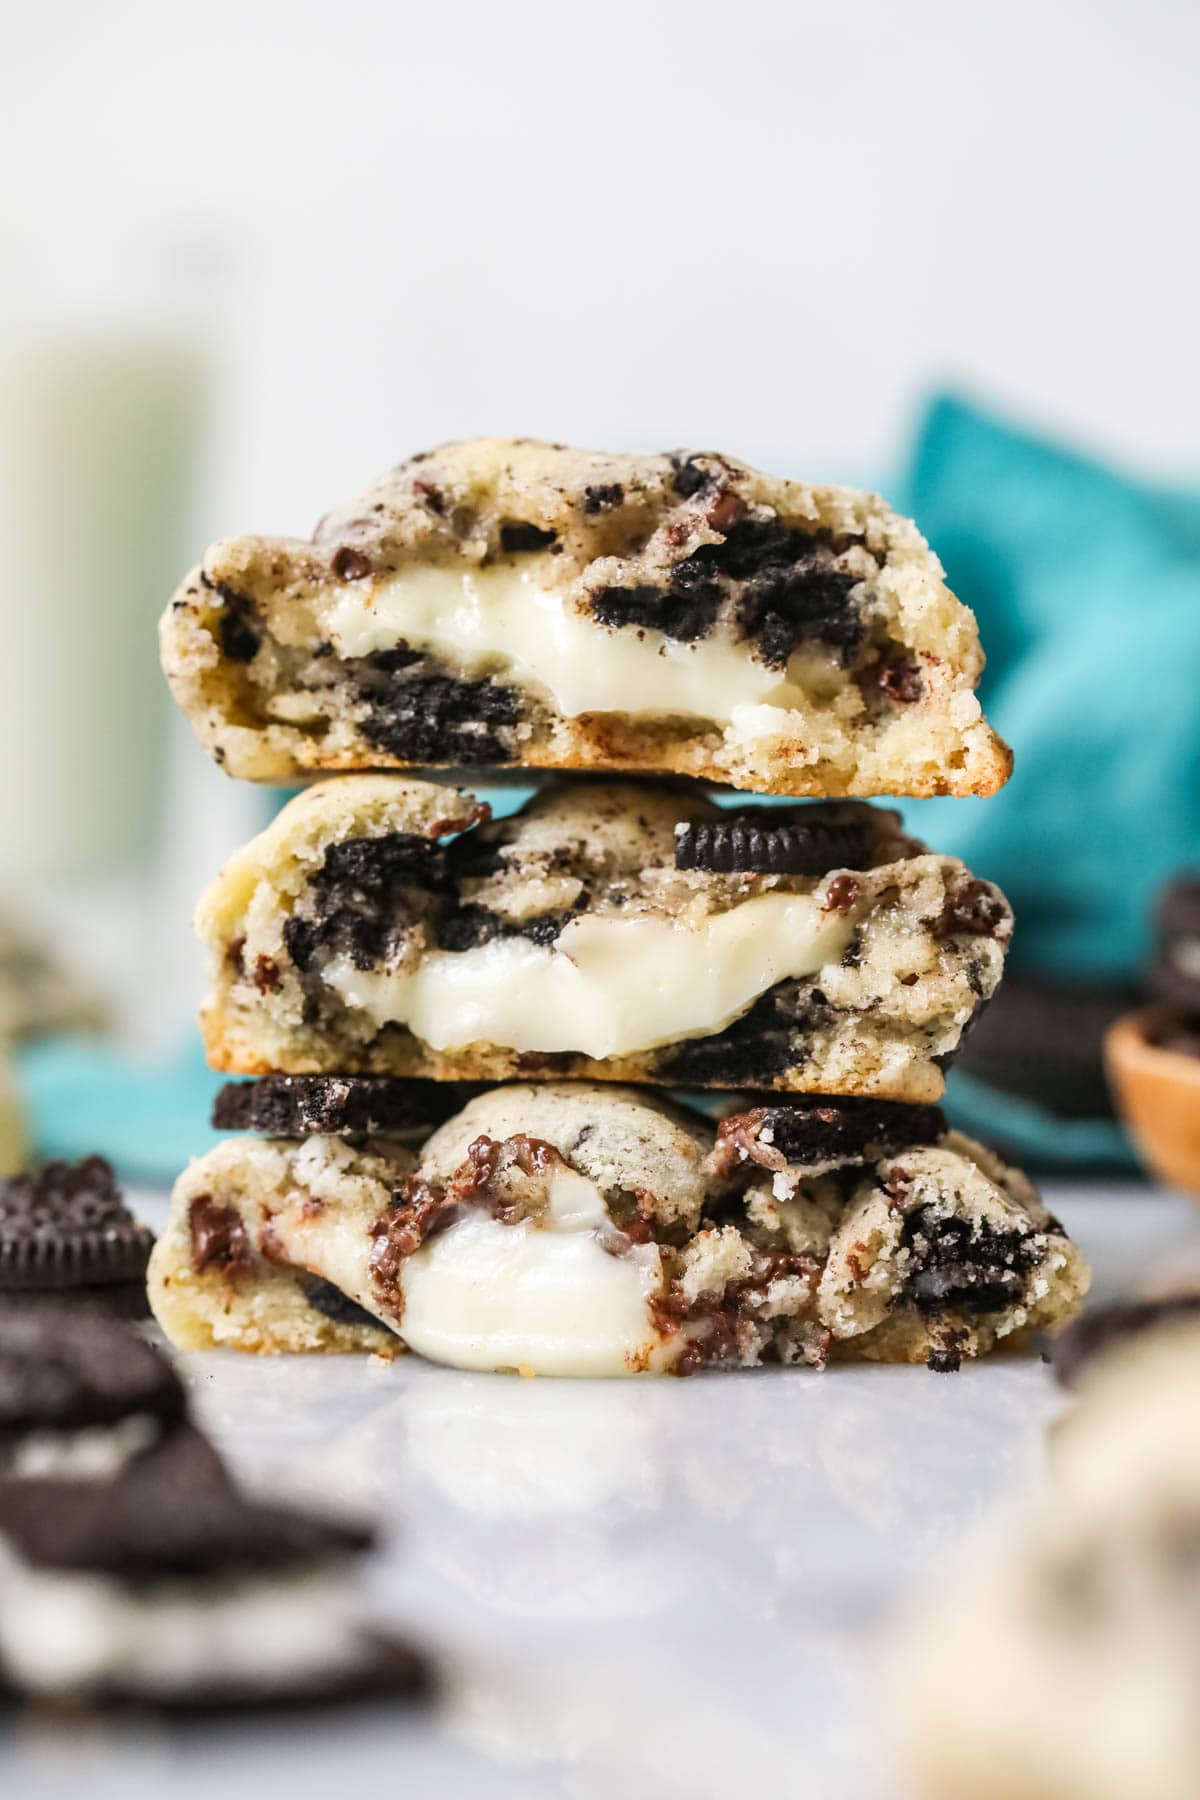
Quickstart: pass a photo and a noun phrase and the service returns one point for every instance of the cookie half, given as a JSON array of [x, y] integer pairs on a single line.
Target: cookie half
[[382, 926], [505, 602], [576, 1229]]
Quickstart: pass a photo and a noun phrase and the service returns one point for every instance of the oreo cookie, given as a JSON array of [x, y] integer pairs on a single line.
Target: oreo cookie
[[1175, 971], [745, 844], [65, 1367], [1103, 1327], [825, 1134], [65, 1228], [187, 1553], [299, 1106]]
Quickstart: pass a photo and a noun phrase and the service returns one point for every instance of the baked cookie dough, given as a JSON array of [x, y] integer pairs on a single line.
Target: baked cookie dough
[[596, 1230], [506, 602], [384, 926], [1065, 1664]]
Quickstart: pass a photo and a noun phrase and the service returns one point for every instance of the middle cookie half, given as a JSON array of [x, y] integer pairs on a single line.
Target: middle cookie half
[[608, 930]]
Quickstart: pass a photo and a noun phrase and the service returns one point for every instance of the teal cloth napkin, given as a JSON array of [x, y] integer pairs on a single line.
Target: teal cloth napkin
[[1087, 589]]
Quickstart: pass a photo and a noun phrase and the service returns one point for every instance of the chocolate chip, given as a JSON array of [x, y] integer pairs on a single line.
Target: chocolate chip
[[974, 908], [266, 974], [726, 509], [431, 494], [603, 498], [842, 894], [516, 535], [350, 564], [901, 681], [218, 1237], [740, 845]]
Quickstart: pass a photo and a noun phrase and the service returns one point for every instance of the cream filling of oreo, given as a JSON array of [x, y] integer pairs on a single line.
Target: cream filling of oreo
[[93, 1453], [63, 1632], [541, 1296], [511, 621], [606, 986]]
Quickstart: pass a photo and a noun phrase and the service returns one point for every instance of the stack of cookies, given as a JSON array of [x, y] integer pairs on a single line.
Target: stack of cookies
[[627, 1080]]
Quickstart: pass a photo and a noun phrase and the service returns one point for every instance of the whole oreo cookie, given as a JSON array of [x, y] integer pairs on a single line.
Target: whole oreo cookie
[[746, 844], [65, 1227], [299, 1106], [825, 1134], [64, 1367], [1103, 1327]]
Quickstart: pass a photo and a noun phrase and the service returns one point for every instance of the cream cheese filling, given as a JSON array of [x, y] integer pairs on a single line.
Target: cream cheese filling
[[510, 618], [540, 1296], [607, 986]]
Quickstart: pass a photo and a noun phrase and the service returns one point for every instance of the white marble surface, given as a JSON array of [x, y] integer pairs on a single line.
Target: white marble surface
[[654, 1588]]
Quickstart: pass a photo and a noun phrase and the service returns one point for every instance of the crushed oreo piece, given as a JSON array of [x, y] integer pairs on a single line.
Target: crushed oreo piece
[[682, 615], [749, 1053], [603, 497], [517, 535], [66, 1226], [1101, 1327], [944, 1360], [299, 1106], [689, 475], [236, 626], [334, 1304], [355, 903], [745, 845], [965, 1270], [824, 1133], [976, 909], [435, 718]]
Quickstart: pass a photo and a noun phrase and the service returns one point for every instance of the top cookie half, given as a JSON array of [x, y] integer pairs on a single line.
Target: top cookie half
[[504, 602]]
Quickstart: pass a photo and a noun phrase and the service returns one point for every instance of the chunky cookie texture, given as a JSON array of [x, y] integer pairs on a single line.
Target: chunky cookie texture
[[598, 1231], [383, 926], [508, 602]]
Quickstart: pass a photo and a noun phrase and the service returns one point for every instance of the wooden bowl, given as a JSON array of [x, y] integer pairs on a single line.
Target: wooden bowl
[[1157, 1092]]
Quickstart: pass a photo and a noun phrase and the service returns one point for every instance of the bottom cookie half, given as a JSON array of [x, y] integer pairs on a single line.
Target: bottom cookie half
[[570, 1229]]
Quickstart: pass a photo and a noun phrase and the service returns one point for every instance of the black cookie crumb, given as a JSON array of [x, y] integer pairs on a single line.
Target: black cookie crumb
[[745, 844], [1102, 1327], [66, 1226], [298, 1106]]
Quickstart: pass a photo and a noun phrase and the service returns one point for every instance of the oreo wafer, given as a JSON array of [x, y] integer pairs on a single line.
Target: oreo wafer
[[65, 1228], [746, 845], [65, 1367], [810, 1135], [299, 1106]]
